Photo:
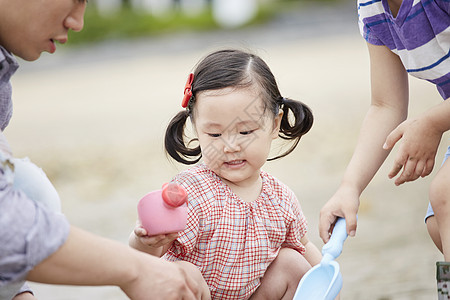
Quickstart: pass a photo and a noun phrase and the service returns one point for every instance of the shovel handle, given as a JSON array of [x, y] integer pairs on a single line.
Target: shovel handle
[[336, 242]]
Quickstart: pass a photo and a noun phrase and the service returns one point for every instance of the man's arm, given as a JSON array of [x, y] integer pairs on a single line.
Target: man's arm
[[87, 259]]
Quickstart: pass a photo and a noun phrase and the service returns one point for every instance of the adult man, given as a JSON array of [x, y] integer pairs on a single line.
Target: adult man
[[36, 243]]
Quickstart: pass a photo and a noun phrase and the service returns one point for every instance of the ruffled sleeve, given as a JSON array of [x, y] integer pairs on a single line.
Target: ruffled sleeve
[[199, 201], [297, 228]]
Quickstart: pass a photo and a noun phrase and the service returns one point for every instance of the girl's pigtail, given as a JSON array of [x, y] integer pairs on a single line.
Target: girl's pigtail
[[174, 141], [295, 124], [297, 120]]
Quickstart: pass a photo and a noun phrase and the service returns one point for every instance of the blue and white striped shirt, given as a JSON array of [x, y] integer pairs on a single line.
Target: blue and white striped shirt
[[419, 35]]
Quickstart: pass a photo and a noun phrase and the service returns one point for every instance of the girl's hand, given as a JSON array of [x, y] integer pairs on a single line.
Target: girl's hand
[[420, 141], [154, 241]]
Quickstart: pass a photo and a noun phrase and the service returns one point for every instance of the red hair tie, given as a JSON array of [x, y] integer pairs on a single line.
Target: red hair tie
[[187, 91]]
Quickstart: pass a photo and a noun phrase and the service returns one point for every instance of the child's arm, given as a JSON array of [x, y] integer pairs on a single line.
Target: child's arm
[[312, 253], [155, 245], [388, 108]]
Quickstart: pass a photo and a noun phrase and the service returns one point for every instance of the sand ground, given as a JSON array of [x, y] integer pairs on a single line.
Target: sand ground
[[94, 121]]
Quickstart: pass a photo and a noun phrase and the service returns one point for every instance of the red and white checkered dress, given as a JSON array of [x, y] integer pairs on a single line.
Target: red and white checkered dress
[[233, 242]]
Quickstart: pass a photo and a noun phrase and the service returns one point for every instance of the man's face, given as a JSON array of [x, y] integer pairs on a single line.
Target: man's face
[[30, 27]]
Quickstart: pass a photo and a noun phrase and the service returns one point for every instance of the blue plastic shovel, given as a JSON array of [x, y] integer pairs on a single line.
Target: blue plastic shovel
[[324, 280]]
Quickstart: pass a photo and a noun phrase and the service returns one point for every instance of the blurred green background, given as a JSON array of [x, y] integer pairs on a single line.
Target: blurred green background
[[141, 18]]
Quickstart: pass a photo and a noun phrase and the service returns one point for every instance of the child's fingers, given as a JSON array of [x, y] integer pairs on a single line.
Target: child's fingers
[[158, 240], [414, 169], [168, 238], [140, 231], [408, 173], [420, 169], [351, 221], [151, 240], [399, 163], [428, 168], [326, 220], [393, 138], [395, 169], [172, 236]]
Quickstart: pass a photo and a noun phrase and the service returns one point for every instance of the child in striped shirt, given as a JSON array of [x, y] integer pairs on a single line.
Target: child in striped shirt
[[403, 37]]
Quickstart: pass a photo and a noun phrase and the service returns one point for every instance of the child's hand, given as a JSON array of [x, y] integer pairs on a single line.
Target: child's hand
[[344, 203], [154, 241], [417, 152]]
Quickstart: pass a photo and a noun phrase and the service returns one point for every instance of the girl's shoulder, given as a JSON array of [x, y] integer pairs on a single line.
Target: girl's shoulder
[[194, 176], [277, 187], [281, 195]]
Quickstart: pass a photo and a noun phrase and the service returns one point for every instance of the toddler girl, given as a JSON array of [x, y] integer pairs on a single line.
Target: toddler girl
[[245, 231]]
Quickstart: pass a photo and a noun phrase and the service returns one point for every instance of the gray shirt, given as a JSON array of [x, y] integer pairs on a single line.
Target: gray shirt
[[8, 65], [29, 232]]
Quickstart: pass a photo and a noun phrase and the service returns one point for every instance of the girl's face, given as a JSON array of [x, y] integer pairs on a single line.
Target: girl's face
[[235, 132], [30, 27]]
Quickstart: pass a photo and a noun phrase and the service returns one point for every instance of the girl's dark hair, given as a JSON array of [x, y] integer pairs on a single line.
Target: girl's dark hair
[[236, 68]]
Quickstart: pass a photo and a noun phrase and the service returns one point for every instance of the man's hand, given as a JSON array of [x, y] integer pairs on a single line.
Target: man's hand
[[160, 279]]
